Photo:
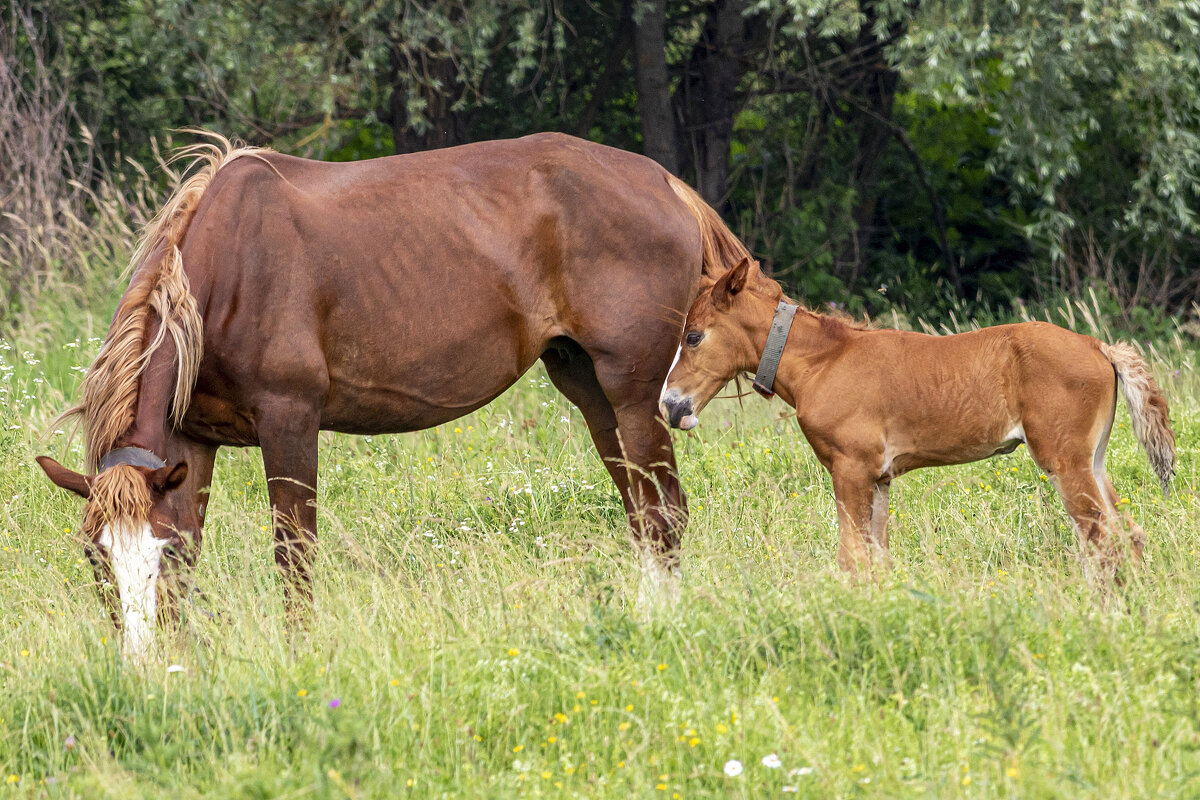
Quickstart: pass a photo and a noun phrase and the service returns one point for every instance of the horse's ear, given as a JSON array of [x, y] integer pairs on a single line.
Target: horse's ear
[[164, 479], [62, 477], [731, 283]]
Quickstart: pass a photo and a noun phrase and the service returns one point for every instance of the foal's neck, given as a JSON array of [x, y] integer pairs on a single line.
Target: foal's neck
[[814, 340]]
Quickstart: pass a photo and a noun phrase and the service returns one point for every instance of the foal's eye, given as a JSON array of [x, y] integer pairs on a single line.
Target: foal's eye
[[693, 338]]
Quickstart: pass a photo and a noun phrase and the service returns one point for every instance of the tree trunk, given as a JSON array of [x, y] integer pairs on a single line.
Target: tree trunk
[[653, 84], [712, 101], [870, 99], [612, 74], [435, 80], [873, 138]]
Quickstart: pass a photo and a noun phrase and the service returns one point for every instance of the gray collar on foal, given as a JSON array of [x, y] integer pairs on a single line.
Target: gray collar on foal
[[764, 379], [133, 456]]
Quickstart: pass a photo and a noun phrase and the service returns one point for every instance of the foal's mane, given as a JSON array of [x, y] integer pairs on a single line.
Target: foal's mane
[[832, 323], [837, 322], [158, 290]]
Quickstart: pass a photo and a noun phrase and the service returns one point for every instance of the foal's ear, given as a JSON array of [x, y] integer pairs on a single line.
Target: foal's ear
[[731, 283], [164, 479], [62, 477]]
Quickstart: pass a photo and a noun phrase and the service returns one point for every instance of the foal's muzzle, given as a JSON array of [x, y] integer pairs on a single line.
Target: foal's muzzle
[[679, 410]]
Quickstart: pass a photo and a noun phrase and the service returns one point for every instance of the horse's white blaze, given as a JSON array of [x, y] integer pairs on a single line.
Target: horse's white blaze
[[135, 554]]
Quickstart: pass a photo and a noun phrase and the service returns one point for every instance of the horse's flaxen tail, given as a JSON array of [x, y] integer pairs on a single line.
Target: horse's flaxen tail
[[722, 250], [1147, 409], [158, 289]]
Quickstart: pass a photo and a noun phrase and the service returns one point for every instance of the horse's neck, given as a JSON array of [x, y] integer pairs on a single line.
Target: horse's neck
[[810, 346], [156, 389]]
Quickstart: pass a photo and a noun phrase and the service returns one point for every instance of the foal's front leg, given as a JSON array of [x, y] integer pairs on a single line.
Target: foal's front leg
[[855, 493], [880, 552]]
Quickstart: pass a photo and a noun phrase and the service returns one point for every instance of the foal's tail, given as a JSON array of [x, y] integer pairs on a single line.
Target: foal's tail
[[722, 250], [1147, 408]]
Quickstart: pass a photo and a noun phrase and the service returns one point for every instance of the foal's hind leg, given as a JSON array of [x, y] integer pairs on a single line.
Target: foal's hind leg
[[1095, 520], [1134, 532], [1071, 466]]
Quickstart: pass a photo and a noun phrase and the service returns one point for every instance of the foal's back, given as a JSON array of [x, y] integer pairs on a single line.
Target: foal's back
[[957, 398]]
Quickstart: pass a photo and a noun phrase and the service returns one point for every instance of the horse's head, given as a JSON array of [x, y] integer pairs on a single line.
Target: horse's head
[[718, 340], [140, 547]]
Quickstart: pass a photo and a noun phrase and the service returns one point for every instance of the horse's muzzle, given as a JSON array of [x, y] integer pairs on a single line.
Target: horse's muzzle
[[679, 410]]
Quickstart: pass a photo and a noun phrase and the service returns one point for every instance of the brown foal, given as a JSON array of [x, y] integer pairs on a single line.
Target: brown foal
[[875, 404]]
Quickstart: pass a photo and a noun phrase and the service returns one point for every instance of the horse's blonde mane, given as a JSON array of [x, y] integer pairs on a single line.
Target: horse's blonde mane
[[158, 285], [721, 249], [118, 492]]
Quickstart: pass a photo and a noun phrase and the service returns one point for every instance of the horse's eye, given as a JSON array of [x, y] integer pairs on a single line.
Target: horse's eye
[[693, 338]]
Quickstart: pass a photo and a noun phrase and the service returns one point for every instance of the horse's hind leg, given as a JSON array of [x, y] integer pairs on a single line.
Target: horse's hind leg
[[635, 447], [654, 501]]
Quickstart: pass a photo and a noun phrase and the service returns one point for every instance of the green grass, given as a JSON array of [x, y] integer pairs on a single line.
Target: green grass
[[475, 591]]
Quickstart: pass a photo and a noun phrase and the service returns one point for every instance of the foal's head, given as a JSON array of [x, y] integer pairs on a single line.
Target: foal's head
[[719, 340], [139, 547]]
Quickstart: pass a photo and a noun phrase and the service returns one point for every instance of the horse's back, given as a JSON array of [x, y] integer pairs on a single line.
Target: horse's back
[[546, 201]]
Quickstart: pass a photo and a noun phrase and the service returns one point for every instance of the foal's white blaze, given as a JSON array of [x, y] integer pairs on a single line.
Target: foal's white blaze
[[135, 554], [674, 361]]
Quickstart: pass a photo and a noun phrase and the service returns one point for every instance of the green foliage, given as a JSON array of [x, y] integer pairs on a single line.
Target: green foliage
[[1027, 148], [1063, 68]]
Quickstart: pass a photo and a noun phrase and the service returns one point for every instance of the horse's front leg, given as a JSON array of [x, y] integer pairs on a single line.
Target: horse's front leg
[[287, 433], [186, 510]]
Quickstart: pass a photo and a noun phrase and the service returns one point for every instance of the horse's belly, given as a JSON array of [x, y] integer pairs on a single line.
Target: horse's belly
[[381, 401]]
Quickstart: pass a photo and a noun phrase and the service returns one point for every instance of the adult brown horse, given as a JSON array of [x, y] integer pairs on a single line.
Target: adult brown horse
[[274, 297]]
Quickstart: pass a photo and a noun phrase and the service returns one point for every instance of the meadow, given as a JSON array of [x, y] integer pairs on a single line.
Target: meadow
[[476, 637]]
